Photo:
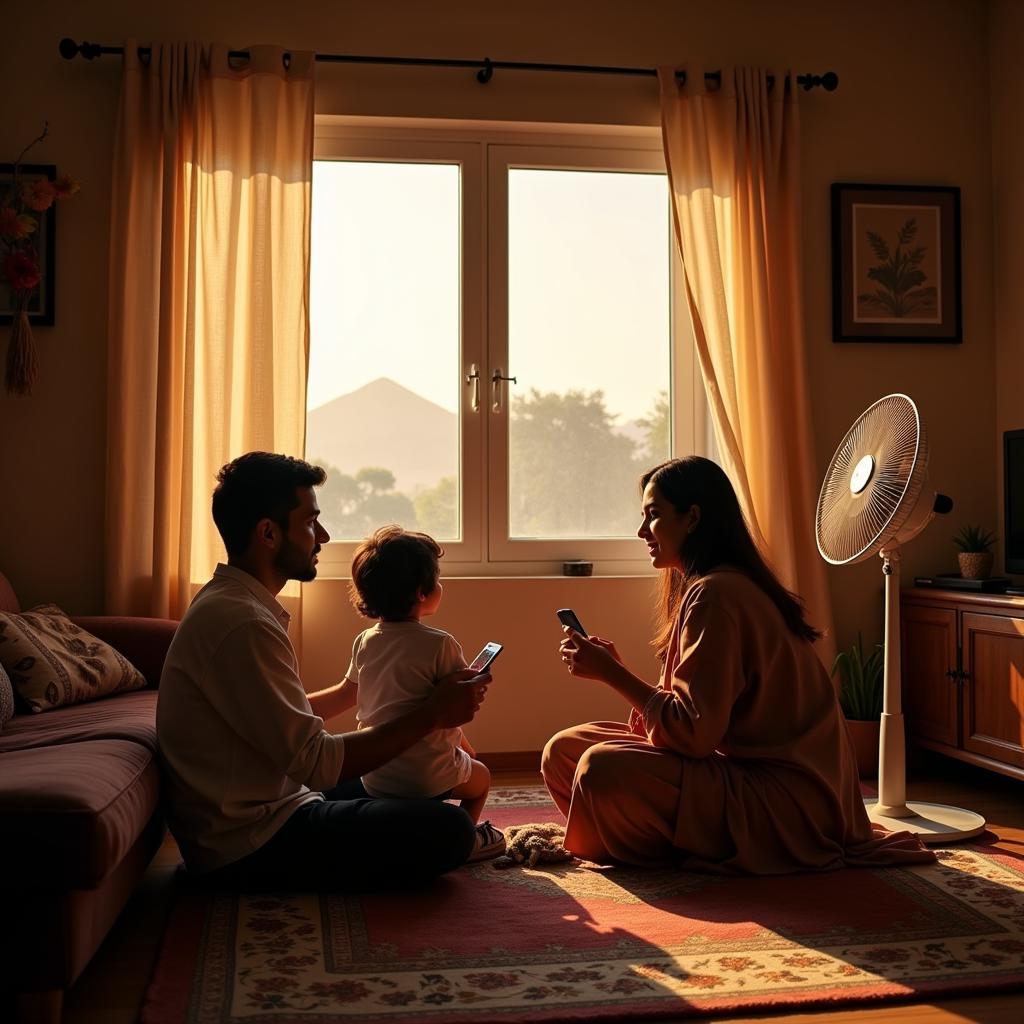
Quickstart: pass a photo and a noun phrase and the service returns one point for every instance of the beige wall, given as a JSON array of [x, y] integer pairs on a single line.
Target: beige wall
[[532, 696], [913, 106]]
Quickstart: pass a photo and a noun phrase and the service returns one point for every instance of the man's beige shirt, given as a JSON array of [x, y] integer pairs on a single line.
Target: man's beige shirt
[[240, 746]]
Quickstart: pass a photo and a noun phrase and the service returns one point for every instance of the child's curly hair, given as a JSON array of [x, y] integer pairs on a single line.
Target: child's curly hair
[[389, 571]]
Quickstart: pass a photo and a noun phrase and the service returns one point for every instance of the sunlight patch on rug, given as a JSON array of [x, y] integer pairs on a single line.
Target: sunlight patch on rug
[[585, 941]]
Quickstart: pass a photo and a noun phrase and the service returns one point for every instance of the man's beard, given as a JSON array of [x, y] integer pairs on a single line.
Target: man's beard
[[294, 564]]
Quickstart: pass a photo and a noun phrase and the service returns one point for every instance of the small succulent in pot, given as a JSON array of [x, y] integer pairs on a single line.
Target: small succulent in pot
[[861, 694], [861, 678], [974, 555]]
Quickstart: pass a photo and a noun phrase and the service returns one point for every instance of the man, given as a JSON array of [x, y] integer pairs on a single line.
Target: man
[[259, 794]]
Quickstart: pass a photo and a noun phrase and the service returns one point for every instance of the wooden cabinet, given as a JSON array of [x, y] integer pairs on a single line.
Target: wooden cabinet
[[993, 686], [930, 693], [963, 675]]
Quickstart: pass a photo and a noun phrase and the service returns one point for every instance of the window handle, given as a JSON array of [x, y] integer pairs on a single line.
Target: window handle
[[473, 379], [496, 379]]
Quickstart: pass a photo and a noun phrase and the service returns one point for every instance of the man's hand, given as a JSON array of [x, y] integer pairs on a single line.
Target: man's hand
[[334, 700], [455, 700], [457, 697]]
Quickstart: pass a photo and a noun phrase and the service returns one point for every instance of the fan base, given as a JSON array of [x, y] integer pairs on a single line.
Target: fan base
[[931, 823]]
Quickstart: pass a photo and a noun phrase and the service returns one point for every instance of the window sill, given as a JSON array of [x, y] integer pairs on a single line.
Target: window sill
[[509, 571]]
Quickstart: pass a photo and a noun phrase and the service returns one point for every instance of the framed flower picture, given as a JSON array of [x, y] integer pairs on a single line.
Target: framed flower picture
[[27, 252], [896, 263]]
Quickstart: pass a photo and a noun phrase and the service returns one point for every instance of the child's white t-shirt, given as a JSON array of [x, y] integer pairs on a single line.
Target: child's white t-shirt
[[396, 665]]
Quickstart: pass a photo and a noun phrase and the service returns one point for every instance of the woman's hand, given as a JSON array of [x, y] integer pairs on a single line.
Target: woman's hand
[[608, 646], [588, 657], [595, 658]]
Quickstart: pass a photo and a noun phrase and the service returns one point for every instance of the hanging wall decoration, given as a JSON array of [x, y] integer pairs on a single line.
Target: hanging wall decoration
[[28, 194]]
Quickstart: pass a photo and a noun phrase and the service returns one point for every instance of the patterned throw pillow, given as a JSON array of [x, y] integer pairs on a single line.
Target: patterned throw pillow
[[52, 662], [6, 698]]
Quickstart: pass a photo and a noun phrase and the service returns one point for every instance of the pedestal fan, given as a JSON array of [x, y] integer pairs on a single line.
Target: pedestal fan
[[873, 500]]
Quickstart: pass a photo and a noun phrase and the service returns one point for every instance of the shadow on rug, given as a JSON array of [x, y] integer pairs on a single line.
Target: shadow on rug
[[578, 941]]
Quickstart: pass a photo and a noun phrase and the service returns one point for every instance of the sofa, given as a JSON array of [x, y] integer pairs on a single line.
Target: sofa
[[79, 819]]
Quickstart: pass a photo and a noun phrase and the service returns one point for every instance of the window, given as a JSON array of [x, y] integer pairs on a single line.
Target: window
[[493, 352]]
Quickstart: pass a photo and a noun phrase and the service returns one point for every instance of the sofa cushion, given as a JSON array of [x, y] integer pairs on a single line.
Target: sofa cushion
[[69, 812], [126, 716], [52, 662], [143, 642], [6, 698]]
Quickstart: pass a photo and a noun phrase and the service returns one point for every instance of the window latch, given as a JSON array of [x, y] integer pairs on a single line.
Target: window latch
[[496, 379], [473, 379]]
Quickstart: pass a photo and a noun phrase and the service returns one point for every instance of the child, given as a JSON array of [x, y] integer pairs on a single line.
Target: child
[[396, 580]]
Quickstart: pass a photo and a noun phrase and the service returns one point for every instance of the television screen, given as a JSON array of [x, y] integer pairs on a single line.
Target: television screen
[[1013, 496]]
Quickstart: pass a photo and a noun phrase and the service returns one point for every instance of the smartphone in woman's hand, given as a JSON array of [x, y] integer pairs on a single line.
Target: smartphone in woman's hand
[[567, 617]]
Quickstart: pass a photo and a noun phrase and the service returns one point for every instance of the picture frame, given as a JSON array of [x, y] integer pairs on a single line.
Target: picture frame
[[896, 263], [41, 305]]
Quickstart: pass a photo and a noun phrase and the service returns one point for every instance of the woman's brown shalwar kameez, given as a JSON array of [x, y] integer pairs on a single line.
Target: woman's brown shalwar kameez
[[740, 762]]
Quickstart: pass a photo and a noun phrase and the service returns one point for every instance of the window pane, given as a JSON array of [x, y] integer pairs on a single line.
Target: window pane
[[382, 406], [589, 341]]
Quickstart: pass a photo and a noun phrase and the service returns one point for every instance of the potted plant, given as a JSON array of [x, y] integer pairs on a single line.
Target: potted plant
[[861, 682], [974, 556]]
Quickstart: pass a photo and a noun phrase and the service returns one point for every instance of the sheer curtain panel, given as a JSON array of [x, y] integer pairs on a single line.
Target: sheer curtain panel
[[733, 157], [209, 300]]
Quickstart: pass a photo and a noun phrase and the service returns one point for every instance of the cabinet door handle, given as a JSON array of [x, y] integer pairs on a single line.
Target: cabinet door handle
[[952, 674]]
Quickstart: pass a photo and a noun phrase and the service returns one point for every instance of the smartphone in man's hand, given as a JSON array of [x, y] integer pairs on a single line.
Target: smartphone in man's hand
[[567, 617]]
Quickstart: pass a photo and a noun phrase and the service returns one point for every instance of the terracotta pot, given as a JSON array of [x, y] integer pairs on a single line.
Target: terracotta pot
[[975, 565], [865, 746]]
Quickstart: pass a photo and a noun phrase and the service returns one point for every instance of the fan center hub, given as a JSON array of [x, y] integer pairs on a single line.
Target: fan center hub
[[862, 474]]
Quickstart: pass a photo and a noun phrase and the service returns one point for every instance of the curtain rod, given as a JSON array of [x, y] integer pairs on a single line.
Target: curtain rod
[[829, 81]]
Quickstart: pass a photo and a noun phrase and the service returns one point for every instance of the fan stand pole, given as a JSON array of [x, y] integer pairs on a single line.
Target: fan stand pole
[[932, 823], [892, 754]]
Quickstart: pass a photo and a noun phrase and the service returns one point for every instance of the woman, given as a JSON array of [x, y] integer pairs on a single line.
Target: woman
[[739, 761]]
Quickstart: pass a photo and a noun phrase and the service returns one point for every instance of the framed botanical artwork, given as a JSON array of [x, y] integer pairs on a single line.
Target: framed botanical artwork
[[896, 263], [36, 248]]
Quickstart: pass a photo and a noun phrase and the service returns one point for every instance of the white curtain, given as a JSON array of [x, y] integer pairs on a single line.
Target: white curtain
[[733, 158], [209, 300]]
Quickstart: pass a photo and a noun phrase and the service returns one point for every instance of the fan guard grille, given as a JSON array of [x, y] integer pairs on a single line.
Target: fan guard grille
[[856, 517]]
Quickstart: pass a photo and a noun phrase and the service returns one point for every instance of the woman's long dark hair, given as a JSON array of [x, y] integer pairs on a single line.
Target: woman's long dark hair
[[721, 538]]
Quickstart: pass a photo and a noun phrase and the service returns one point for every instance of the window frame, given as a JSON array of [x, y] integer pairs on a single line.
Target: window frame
[[480, 147], [469, 549], [556, 155]]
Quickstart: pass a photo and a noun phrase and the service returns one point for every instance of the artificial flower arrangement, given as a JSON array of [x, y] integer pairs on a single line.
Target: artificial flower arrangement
[[21, 205]]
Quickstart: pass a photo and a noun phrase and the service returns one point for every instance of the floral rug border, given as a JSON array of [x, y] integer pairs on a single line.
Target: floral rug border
[[306, 959]]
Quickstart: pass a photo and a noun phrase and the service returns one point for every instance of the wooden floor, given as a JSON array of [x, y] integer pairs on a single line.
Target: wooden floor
[[111, 989]]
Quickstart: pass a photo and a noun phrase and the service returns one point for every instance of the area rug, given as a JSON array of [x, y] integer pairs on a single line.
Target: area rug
[[578, 942]]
